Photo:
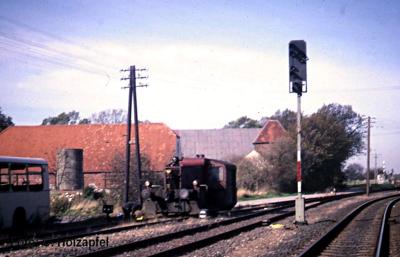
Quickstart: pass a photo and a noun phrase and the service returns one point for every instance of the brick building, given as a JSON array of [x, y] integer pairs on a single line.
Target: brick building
[[272, 131], [100, 144]]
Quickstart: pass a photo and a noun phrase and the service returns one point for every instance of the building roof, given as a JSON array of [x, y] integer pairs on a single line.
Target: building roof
[[271, 131], [217, 143], [98, 141], [227, 143]]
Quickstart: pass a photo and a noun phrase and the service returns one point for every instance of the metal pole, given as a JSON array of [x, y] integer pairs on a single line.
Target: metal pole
[[299, 208], [368, 153], [128, 145], [137, 145], [299, 145]]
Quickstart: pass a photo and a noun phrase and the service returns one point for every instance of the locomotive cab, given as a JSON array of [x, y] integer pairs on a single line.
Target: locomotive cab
[[193, 184]]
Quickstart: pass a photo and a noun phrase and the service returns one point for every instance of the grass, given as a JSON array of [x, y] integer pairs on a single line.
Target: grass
[[77, 205], [373, 186], [245, 195]]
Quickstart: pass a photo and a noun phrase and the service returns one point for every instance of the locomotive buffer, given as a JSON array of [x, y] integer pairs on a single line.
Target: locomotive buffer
[[298, 84]]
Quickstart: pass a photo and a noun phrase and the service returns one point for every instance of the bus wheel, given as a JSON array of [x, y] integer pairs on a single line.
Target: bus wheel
[[19, 218]]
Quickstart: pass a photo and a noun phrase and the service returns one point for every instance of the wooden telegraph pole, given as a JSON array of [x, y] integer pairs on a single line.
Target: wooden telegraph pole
[[132, 96]]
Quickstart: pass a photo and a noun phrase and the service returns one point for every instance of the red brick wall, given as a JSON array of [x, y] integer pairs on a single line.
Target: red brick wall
[[52, 180], [98, 178]]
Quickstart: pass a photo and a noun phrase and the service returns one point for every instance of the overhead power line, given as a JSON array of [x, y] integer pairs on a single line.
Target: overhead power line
[[49, 35], [21, 42], [48, 59], [12, 42]]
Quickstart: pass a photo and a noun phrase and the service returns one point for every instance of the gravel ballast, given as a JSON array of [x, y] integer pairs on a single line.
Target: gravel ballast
[[290, 240]]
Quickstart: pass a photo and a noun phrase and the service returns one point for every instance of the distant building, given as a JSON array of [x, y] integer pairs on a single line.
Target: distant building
[[269, 134], [226, 144], [217, 143], [381, 178]]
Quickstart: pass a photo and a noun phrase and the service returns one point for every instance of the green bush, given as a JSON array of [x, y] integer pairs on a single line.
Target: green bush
[[60, 205], [92, 192]]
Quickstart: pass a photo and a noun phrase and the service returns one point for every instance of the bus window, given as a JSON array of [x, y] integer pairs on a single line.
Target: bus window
[[26, 178], [19, 179], [35, 178], [4, 183]]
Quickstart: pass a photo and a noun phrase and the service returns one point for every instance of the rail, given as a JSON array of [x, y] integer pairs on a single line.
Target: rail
[[318, 246], [382, 248]]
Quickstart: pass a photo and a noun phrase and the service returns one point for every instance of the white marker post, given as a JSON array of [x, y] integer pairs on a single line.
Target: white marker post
[[299, 204]]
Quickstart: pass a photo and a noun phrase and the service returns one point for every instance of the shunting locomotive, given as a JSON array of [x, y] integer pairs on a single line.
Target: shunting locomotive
[[192, 186]]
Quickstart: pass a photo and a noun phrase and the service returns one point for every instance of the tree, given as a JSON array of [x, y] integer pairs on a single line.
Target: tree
[[243, 122], [354, 171], [287, 118], [63, 118], [117, 175], [5, 121], [330, 136], [111, 116], [252, 174], [84, 121], [282, 160]]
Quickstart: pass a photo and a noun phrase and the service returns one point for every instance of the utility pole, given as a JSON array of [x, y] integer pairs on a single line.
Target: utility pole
[[375, 170], [368, 153], [132, 96], [136, 120], [298, 84]]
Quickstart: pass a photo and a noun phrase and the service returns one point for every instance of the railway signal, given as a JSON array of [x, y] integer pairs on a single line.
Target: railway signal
[[298, 84], [297, 66]]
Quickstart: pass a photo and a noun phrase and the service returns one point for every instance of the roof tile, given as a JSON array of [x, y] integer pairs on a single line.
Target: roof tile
[[271, 131], [98, 141]]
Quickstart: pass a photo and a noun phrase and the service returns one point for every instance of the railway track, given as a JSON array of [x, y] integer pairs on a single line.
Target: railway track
[[177, 243], [141, 243], [67, 230], [389, 236], [255, 217], [51, 238], [357, 234], [394, 233], [13, 244]]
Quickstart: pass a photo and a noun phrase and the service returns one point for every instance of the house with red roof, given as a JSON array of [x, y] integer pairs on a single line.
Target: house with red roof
[[100, 144], [269, 134]]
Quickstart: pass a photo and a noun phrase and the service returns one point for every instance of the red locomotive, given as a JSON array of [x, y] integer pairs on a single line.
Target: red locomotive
[[192, 186]]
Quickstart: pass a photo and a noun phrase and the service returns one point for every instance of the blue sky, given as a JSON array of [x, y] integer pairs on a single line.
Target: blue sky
[[214, 60]]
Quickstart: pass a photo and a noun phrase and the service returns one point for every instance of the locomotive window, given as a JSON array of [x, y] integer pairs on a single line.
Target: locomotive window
[[191, 173], [216, 174]]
